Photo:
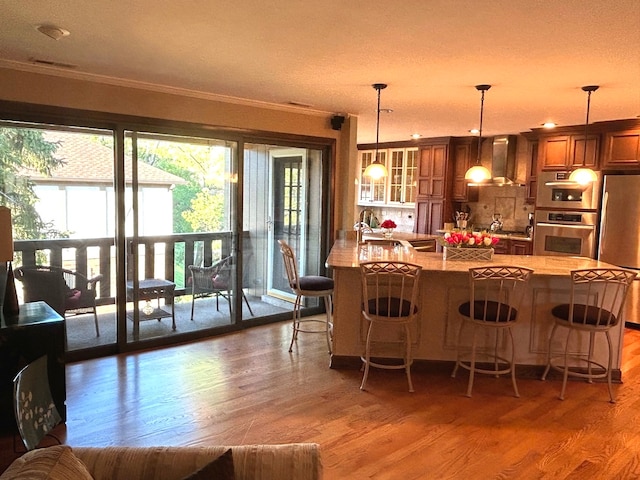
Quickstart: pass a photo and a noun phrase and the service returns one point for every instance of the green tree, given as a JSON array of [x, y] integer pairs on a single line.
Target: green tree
[[22, 150], [199, 204]]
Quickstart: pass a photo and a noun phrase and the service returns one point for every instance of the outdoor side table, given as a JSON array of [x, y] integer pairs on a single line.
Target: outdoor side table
[[153, 289]]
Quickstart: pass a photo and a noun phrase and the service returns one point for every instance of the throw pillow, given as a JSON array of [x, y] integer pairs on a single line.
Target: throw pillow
[[51, 463], [219, 469]]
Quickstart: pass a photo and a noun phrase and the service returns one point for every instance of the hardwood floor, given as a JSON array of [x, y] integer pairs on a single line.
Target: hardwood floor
[[246, 388]]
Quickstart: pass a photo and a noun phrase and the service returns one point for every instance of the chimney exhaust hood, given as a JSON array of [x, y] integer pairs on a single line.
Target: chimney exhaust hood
[[503, 162]]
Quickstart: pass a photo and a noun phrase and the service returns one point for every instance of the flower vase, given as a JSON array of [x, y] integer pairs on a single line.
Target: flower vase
[[387, 233]]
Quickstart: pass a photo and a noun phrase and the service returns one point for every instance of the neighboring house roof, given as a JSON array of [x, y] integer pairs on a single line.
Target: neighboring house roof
[[87, 161]]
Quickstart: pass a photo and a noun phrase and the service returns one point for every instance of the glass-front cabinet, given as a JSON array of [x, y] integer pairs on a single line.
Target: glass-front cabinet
[[399, 187], [371, 191]]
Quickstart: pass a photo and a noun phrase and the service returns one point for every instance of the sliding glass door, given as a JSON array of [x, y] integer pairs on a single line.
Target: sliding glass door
[[179, 208], [167, 235], [283, 200]]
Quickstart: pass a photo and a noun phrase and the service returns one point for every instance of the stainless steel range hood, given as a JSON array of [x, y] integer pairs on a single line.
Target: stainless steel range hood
[[503, 161]]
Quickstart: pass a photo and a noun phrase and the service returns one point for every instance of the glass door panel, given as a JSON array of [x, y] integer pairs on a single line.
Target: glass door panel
[[179, 228], [58, 183], [283, 194]]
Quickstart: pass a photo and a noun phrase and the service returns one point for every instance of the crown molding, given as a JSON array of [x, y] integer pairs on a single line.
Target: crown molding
[[152, 87]]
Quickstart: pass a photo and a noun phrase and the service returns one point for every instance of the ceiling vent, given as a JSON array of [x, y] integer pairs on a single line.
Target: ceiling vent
[[51, 63]]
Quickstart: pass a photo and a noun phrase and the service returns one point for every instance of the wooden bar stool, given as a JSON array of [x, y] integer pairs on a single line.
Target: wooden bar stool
[[496, 293], [389, 297], [307, 286], [595, 306]]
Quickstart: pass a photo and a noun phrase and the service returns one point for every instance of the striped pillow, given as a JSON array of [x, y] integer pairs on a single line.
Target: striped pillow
[[51, 463]]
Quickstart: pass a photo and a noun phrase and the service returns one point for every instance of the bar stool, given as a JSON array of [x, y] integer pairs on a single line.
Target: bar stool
[[389, 297], [495, 297], [595, 306], [307, 286]]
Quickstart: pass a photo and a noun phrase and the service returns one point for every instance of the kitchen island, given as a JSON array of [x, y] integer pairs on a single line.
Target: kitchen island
[[444, 286]]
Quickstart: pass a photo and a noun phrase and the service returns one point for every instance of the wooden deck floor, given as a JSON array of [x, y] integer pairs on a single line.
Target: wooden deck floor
[[246, 388]]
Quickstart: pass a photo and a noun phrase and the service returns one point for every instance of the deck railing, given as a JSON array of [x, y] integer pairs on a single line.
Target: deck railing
[[161, 256]]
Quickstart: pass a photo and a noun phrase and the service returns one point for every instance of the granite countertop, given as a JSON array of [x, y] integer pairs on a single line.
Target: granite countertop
[[348, 254]]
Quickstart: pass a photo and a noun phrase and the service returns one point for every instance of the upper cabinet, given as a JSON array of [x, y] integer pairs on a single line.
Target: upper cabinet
[[611, 145], [566, 152], [399, 187], [622, 149], [532, 172], [464, 150], [403, 166], [432, 170], [371, 191]]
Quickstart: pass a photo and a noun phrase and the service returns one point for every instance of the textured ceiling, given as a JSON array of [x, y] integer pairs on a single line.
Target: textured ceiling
[[536, 54]]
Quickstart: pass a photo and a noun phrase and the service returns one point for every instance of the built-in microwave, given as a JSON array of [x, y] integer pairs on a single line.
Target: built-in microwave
[[556, 191]]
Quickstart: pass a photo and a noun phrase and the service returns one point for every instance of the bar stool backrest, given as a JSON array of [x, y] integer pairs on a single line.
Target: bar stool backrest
[[598, 296], [497, 292]]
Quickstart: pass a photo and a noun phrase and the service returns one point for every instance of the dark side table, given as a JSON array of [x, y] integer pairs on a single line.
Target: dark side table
[[38, 330], [152, 289]]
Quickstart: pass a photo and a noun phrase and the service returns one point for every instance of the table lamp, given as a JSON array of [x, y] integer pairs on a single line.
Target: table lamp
[[9, 297]]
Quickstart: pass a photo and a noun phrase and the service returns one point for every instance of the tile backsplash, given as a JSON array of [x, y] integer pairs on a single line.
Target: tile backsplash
[[508, 201]]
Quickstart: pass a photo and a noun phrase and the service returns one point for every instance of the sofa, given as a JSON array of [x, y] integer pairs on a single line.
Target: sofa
[[294, 461]]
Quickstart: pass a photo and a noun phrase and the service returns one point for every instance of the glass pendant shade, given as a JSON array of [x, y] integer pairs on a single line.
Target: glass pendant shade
[[583, 176], [376, 170], [478, 174]]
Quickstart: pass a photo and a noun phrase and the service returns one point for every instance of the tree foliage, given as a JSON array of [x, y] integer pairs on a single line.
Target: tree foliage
[[23, 150], [199, 205]]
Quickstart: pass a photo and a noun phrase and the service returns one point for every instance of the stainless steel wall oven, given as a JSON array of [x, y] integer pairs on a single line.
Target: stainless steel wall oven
[[568, 233]]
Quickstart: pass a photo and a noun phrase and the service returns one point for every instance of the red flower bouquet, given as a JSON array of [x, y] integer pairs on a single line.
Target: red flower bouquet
[[464, 239], [388, 224]]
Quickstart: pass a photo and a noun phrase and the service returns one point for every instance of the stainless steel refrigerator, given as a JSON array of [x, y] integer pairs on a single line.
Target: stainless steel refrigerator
[[619, 242]]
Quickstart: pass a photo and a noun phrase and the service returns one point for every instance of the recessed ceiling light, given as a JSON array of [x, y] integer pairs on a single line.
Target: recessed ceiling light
[[415, 136], [549, 125], [52, 31], [475, 131]]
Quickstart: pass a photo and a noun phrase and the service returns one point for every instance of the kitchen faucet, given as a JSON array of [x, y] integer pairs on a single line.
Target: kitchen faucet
[[360, 224]]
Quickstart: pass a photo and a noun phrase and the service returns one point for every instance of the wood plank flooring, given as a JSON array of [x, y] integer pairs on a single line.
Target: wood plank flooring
[[246, 388]]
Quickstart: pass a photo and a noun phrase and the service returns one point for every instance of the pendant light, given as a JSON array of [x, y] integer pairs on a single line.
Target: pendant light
[[375, 169], [479, 174], [584, 175]]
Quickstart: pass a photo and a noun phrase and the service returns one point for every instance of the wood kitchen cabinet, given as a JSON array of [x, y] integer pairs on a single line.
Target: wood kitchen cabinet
[[502, 247], [520, 247], [464, 151], [566, 152], [434, 186], [432, 170], [429, 215], [513, 246], [532, 173], [622, 149]]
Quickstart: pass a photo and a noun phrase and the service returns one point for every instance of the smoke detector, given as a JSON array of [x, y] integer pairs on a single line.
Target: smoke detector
[[52, 31]]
